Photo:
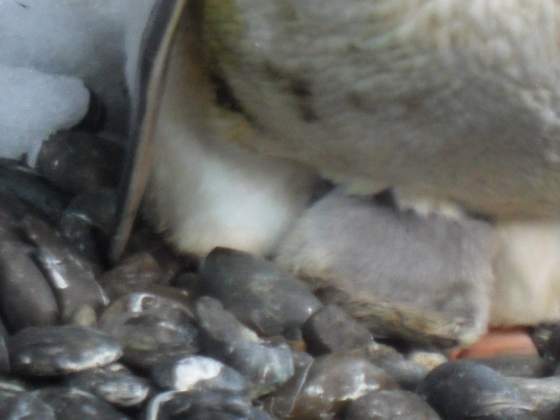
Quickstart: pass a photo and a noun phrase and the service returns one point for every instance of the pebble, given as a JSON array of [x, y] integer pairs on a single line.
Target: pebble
[[59, 350], [330, 329], [281, 402], [428, 359], [114, 383], [3, 329], [78, 162], [256, 291], [188, 281], [150, 328], [26, 299], [547, 341], [160, 299], [27, 405], [88, 221], [467, 390], [12, 210], [294, 338], [10, 389], [71, 276], [544, 394], [133, 274], [32, 190], [172, 264], [208, 405], [389, 404], [264, 364], [326, 386], [84, 316], [4, 356], [519, 366], [220, 357], [72, 403], [97, 209], [407, 373], [198, 373]]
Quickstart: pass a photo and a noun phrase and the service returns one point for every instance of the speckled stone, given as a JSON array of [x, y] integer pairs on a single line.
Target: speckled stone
[[466, 390], [256, 291], [151, 328], [59, 350], [326, 386], [26, 299], [114, 383], [390, 404], [198, 373], [264, 364]]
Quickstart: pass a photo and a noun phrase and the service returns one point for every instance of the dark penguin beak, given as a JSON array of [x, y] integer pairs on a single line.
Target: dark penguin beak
[[146, 90]]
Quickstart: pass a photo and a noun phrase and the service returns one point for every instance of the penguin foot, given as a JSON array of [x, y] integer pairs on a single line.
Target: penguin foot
[[498, 342]]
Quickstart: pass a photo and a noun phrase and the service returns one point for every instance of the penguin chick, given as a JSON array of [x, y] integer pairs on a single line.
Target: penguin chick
[[424, 264], [472, 273], [526, 265]]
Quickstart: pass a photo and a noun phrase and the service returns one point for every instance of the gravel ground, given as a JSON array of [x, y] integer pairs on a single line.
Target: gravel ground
[[161, 336]]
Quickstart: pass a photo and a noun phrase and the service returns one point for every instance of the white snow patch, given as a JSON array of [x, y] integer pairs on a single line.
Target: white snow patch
[[33, 105]]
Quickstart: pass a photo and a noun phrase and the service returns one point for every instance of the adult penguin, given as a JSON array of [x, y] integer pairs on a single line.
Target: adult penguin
[[449, 107]]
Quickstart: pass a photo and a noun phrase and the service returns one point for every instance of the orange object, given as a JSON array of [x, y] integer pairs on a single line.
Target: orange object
[[498, 342]]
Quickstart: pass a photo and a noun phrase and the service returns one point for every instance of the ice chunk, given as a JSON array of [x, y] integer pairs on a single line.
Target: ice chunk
[[33, 105], [81, 38], [84, 39]]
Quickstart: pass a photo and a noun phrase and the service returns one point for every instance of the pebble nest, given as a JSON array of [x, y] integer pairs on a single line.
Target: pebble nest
[[162, 336]]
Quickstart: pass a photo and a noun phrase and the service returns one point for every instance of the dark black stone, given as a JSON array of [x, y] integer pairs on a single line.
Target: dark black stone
[[389, 404], [547, 340], [467, 390], [88, 222], [544, 394], [256, 291], [114, 384], [27, 405], [408, 374], [134, 274], [26, 299], [197, 405], [264, 364], [519, 366], [331, 329], [326, 386], [72, 403], [188, 281], [10, 389], [32, 190], [198, 373], [78, 162], [281, 402], [4, 356], [49, 351], [71, 276], [151, 328]]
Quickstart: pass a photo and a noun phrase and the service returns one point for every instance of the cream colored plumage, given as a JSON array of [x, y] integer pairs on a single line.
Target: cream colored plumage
[[452, 104]]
